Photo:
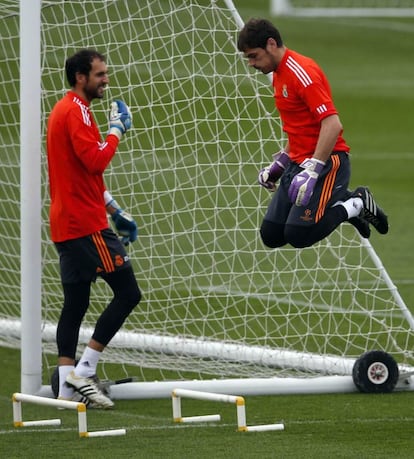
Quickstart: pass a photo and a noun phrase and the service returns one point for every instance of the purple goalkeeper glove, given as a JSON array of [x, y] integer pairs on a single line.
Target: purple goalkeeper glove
[[303, 184], [269, 175]]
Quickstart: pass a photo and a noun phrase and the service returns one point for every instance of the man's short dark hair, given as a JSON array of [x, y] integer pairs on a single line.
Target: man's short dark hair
[[81, 62], [255, 34]]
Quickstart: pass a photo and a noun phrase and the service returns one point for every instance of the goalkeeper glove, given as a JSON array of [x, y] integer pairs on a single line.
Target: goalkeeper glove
[[124, 223], [120, 118], [271, 174], [303, 184]]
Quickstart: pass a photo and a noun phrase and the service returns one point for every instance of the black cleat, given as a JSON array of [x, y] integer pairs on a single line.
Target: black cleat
[[361, 225], [371, 212]]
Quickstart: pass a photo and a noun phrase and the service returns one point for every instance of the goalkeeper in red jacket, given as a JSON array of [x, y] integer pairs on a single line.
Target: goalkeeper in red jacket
[[80, 204], [312, 198]]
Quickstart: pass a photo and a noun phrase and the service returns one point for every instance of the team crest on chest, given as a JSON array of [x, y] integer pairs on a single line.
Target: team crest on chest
[[284, 91]]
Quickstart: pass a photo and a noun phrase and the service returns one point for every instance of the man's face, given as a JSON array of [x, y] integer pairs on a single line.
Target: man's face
[[94, 84], [261, 59]]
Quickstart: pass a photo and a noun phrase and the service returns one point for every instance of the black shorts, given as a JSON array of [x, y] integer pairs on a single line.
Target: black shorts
[[85, 258], [331, 187]]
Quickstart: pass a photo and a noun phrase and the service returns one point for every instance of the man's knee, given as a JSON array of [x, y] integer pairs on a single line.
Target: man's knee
[[276, 235], [299, 236], [128, 298], [272, 234], [134, 297]]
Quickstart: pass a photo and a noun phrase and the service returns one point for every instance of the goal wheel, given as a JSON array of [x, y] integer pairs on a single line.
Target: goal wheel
[[375, 372], [54, 382]]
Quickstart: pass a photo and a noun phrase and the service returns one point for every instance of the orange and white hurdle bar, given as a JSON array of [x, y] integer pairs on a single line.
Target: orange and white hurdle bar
[[177, 394], [18, 398]]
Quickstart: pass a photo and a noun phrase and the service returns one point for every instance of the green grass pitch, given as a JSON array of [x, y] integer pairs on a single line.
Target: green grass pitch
[[368, 62]]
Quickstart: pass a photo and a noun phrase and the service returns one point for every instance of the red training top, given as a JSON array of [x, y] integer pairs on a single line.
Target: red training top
[[303, 98], [77, 159]]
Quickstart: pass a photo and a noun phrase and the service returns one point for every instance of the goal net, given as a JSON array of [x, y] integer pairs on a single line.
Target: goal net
[[343, 8], [216, 303]]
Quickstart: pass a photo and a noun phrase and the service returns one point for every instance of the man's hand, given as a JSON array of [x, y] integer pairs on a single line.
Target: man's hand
[[124, 223], [120, 118], [303, 184], [125, 226], [271, 174]]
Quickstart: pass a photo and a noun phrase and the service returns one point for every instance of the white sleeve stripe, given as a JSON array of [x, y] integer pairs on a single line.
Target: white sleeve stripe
[[299, 71], [84, 111], [85, 115], [321, 109]]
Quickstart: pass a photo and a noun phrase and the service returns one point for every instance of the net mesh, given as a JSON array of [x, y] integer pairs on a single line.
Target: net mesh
[[215, 302]]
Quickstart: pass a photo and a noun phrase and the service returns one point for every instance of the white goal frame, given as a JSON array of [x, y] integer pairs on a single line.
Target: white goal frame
[[31, 329], [30, 186]]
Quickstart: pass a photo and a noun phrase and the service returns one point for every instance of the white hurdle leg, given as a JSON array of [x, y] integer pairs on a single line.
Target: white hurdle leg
[[241, 416], [211, 396], [18, 398], [43, 422], [176, 406], [265, 427], [204, 418]]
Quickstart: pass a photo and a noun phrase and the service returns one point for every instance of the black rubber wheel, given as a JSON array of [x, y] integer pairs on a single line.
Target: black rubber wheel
[[375, 372], [54, 382]]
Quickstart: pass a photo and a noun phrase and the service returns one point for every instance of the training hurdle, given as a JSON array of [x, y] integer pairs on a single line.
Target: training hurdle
[[18, 398], [177, 394]]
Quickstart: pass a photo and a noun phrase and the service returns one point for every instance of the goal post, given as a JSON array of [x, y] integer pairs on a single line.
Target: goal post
[[342, 8], [30, 196], [217, 305]]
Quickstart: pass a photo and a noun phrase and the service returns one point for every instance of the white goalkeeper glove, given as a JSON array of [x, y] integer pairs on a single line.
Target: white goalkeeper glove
[[120, 118]]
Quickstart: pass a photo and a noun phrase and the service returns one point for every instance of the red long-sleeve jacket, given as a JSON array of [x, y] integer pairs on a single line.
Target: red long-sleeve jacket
[[303, 98], [77, 159]]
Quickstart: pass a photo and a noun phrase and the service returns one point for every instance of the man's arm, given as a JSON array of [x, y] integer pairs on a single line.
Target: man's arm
[[331, 127]]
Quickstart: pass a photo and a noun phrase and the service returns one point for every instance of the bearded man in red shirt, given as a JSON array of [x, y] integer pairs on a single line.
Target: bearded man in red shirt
[[312, 197], [79, 227]]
